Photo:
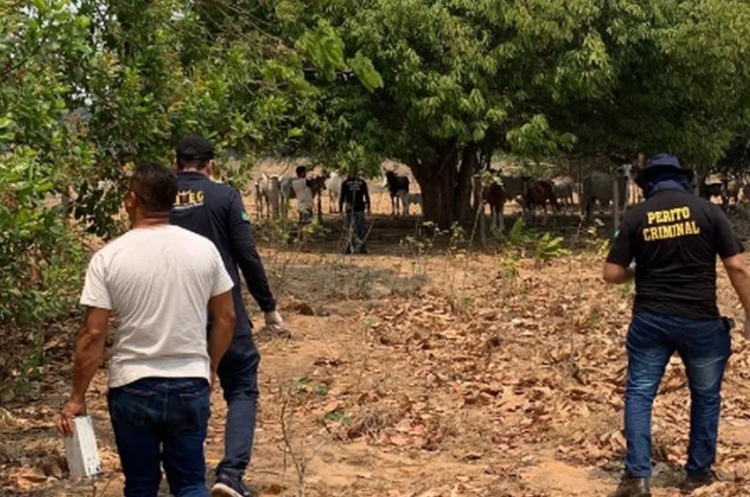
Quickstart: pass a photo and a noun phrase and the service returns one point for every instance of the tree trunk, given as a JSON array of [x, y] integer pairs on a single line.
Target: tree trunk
[[437, 182], [446, 187]]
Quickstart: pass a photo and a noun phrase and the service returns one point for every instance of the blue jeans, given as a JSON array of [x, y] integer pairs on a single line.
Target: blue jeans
[[356, 231], [159, 420], [704, 347], [238, 374]]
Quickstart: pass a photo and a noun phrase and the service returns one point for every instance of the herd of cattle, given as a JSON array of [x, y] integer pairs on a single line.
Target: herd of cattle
[[273, 193], [596, 188]]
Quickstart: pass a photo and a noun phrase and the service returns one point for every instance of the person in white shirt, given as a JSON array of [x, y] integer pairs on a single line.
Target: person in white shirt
[[157, 281], [303, 192]]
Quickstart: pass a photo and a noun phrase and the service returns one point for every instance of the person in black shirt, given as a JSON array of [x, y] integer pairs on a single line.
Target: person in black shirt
[[216, 211], [356, 197], [673, 237]]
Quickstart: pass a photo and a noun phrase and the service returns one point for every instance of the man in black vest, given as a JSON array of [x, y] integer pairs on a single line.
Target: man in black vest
[[674, 237]]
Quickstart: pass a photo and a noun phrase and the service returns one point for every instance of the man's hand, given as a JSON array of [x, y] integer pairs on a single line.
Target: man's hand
[[70, 410], [274, 323]]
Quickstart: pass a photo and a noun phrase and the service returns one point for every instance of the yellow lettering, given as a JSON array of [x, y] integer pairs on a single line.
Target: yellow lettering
[[680, 229], [685, 213], [201, 196], [689, 228], [651, 217], [696, 228]]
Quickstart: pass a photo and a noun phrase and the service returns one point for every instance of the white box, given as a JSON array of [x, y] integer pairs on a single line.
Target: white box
[[81, 450]]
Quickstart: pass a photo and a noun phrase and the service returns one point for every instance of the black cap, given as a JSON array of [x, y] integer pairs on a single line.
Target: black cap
[[194, 147], [658, 164]]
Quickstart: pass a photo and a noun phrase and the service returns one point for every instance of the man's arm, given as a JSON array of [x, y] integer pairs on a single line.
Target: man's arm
[[740, 278], [87, 359], [89, 350], [342, 194], [246, 256], [616, 267], [616, 274], [222, 329], [366, 191]]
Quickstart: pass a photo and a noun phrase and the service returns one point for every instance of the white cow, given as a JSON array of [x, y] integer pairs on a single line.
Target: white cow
[[598, 187], [333, 185], [268, 191]]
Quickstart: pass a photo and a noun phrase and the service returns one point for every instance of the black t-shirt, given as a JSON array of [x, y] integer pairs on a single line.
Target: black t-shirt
[[674, 238], [354, 193]]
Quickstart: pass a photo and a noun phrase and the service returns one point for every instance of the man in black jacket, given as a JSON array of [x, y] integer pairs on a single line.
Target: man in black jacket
[[216, 211]]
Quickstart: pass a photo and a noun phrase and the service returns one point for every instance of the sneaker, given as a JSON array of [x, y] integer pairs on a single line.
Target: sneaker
[[226, 486]]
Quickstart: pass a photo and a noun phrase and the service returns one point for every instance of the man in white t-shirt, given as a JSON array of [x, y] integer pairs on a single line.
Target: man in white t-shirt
[[157, 281], [303, 193]]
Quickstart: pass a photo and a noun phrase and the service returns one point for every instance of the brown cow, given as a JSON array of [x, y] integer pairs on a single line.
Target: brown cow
[[538, 193], [495, 197]]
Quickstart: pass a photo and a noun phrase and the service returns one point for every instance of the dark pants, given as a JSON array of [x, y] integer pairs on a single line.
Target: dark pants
[[704, 347], [159, 420], [238, 373], [356, 231]]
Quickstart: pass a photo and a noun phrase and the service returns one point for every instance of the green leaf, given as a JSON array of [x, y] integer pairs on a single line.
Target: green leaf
[[365, 71]]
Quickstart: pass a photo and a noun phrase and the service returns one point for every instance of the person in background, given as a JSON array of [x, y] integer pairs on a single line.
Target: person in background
[[216, 211], [674, 238], [303, 192], [356, 198], [157, 280]]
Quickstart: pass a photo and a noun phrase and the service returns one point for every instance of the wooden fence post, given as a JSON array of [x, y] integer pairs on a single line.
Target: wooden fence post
[[616, 202]]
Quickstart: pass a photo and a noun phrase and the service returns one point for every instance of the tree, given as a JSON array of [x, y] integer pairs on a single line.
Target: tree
[[537, 78]]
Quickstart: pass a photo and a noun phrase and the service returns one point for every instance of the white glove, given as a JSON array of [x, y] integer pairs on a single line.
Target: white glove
[[274, 323]]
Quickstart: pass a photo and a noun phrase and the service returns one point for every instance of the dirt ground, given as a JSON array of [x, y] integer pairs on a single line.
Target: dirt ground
[[420, 370]]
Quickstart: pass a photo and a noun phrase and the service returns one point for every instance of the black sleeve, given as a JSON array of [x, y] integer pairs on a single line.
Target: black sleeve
[[621, 251], [727, 243], [242, 245], [366, 193], [343, 194]]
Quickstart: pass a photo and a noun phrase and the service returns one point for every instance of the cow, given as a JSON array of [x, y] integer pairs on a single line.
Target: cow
[[538, 193], [713, 186], [598, 187], [398, 188], [745, 192], [564, 186], [416, 199], [495, 196], [730, 190], [333, 185], [268, 192]]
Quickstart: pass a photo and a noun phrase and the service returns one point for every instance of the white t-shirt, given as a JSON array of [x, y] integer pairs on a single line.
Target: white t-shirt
[[303, 194], [157, 282]]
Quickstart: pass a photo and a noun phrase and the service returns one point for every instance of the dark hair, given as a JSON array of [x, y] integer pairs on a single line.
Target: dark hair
[[300, 170], [156, 188], [199, 164]]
